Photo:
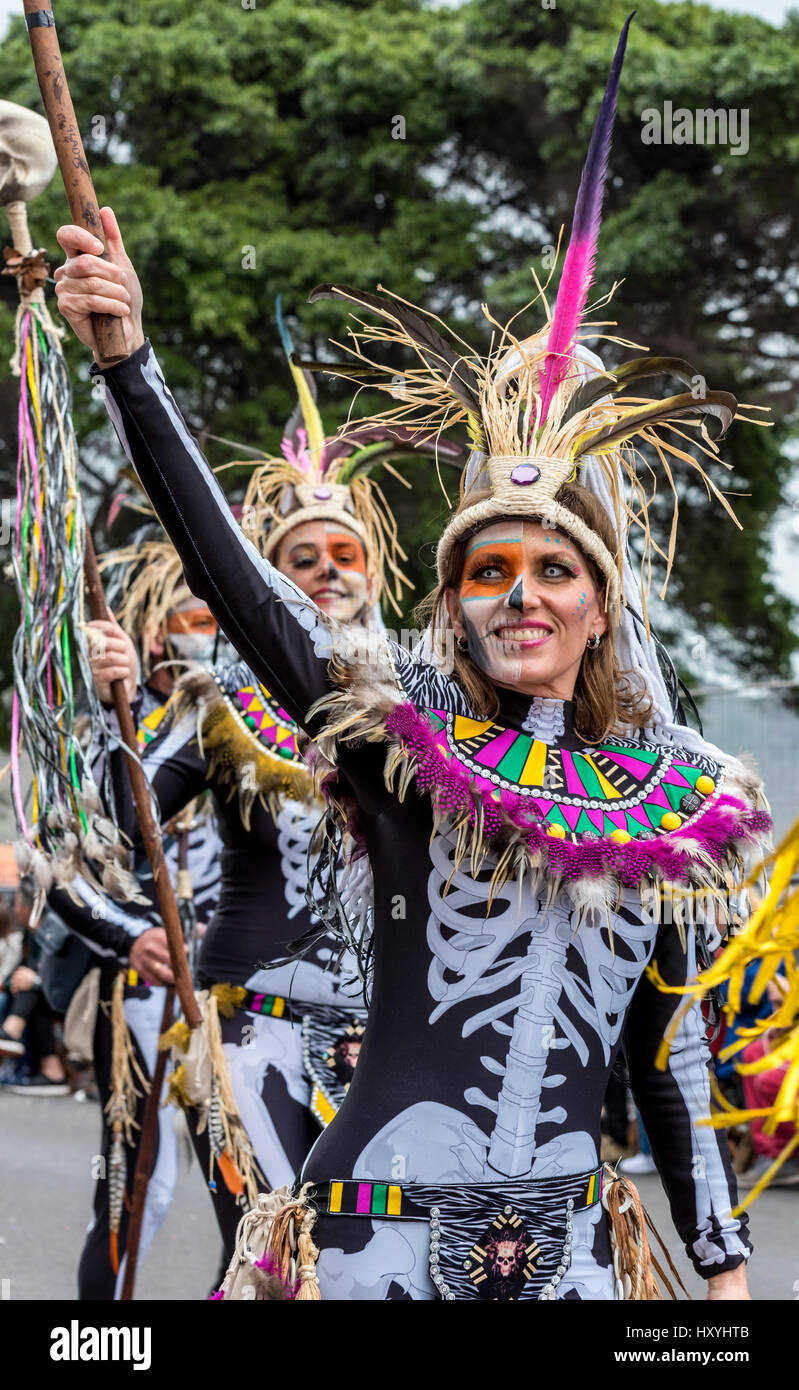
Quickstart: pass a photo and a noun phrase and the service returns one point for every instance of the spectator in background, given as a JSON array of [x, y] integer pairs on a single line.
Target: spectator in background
[[27, 1030], [10, 950], [760, 1092], [749, 1013]]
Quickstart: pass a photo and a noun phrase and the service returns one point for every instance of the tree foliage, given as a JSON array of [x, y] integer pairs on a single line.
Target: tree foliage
[[437, 150]]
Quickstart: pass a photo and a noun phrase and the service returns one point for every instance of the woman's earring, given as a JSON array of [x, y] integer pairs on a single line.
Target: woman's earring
[[461, 644], [594, 641]]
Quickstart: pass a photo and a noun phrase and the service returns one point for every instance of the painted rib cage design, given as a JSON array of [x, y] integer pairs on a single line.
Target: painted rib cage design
[[472, 961], [295, 826]]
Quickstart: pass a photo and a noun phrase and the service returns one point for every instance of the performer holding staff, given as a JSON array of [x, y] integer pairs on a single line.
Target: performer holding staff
[[290, 1033], [518, 811]]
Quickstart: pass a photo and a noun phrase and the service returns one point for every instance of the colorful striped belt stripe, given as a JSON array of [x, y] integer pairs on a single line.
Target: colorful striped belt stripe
[[272, 1005], [365, 1199], [351, 1197]]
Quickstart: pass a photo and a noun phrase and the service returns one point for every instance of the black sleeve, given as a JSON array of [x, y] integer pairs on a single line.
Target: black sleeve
[[102, 924], [278, 631], [692, 1158]]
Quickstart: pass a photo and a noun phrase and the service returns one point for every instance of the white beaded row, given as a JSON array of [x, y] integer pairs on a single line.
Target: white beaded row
[[548, 1294]]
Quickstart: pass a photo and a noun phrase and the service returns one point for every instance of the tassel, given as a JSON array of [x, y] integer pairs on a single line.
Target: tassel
[[232, 1178], [283, 1246], [267, 1284], [177, 1036], [125, 1070], [116, 1192], [633, 1262], [227, 1136], [216, 1131], [307, 1255], [275, 1256], [177, 1093], [228, 998]]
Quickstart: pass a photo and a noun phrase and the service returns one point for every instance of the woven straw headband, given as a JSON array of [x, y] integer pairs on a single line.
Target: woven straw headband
[[318, 513], [530, 507]]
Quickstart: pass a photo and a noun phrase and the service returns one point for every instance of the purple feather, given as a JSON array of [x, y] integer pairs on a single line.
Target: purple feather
[[578, 267]]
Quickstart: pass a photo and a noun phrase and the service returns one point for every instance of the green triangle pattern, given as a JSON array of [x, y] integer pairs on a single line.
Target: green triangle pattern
[[556, 817]]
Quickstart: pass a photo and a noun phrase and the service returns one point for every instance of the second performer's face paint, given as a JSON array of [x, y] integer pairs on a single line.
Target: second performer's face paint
[[328, 563], [526, 604], [192, 631]]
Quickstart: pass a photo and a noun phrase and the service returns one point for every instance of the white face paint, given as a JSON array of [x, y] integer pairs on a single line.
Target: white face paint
[[526, 604], [192, 631], [328, 563]]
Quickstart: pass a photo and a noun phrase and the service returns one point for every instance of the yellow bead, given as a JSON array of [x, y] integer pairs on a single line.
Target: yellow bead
[[621, 837], [705, 785], [556, 831], [671, 821]]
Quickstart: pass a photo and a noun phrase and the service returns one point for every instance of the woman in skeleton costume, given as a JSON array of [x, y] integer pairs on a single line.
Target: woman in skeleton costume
[[522, 812], [165, 622], [291, 1033]]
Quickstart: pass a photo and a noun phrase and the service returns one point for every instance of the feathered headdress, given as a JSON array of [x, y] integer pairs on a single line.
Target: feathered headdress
[[539, 408], [327, 479], [145, 584]]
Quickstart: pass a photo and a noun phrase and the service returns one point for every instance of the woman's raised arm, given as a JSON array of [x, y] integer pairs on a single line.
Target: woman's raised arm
[[278, 631], [272, 624]]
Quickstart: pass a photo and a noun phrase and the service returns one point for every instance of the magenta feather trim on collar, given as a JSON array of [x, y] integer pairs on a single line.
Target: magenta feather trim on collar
[[716, 830]]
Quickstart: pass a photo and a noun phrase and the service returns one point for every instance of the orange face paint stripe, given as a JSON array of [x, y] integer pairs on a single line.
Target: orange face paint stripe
[[190, 620]]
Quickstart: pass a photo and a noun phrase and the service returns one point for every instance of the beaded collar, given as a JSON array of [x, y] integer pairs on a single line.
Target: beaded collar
[[525, 789], [251, 742]]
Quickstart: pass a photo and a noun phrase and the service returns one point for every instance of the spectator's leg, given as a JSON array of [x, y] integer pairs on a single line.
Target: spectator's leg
[[41, 1036], [23, 1004]]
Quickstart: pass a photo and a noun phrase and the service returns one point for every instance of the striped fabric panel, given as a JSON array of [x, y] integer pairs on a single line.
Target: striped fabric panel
[[353, 1198]]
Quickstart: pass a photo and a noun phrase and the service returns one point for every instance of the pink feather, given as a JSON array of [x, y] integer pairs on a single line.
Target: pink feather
[[578, 267]]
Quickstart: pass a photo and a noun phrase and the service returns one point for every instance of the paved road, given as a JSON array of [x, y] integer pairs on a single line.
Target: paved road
[[46, 1147]]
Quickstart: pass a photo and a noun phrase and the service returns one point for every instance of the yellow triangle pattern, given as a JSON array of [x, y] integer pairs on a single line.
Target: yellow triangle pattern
[[470, 728], [607, 787]]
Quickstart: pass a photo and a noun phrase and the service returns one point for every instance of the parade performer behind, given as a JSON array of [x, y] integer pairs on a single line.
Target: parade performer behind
[[68, 841], [520, 812], [166, 624], [291, 1033]]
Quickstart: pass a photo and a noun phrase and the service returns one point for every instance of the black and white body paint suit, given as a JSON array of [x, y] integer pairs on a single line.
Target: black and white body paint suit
[[111, 931], [278, 1028], [493, 1026]]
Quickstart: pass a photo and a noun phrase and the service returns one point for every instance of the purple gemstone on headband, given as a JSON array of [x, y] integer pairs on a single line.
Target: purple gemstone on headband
[[525, 473], [323, 494]]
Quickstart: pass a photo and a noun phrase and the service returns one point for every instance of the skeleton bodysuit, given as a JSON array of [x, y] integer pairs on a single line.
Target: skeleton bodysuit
[[495, 1015], [110, 931], [281, 1019]]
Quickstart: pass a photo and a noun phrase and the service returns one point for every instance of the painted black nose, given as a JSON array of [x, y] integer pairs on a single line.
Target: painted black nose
[[516, 597]]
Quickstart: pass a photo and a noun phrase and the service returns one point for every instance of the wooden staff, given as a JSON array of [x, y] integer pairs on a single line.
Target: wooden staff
[[71, 155], [144, 1158], [111, 348], [151, 834]]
